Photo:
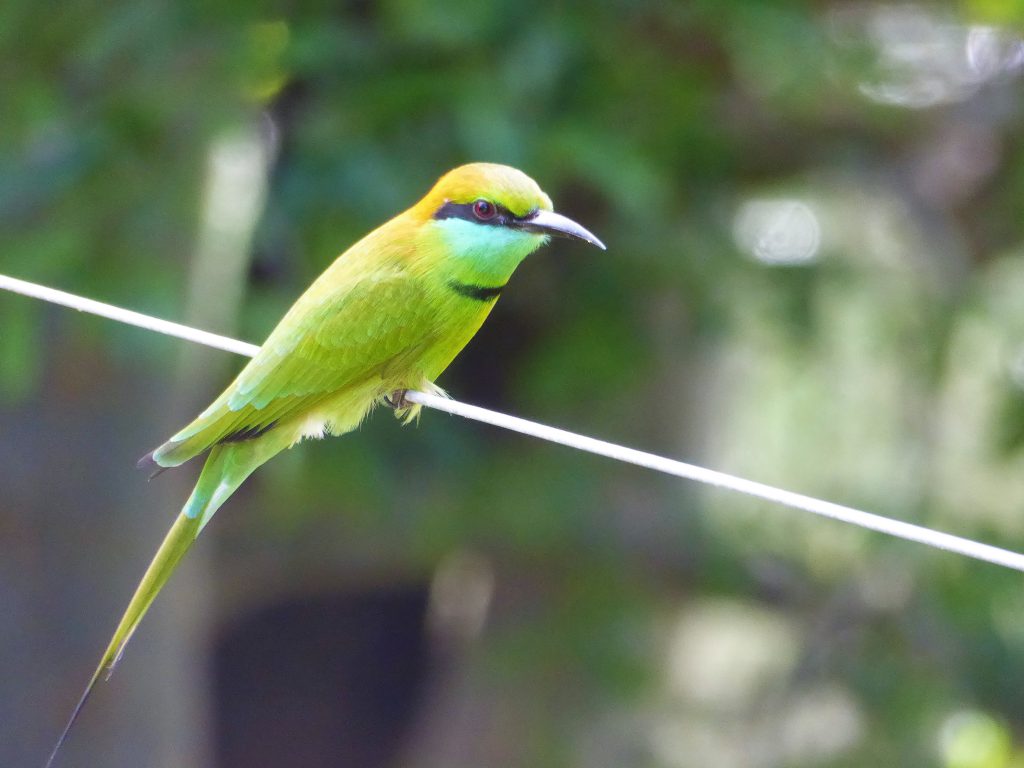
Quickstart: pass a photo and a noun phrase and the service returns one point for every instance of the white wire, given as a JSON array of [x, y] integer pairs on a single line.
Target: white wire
[[874, 522], [897, 528], [127, 316]]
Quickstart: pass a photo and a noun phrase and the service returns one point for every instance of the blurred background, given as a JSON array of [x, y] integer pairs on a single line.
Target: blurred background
[[814, 278]]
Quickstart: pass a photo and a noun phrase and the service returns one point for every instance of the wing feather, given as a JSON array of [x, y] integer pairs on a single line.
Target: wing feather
[[324, 344]]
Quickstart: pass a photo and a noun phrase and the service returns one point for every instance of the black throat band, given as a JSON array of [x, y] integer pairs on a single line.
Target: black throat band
[[475, 292]]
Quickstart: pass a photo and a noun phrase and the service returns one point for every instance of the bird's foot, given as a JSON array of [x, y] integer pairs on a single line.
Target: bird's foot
[[397, 401]]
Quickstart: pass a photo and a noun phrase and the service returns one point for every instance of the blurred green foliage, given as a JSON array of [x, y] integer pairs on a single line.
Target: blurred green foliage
[[814, 278]]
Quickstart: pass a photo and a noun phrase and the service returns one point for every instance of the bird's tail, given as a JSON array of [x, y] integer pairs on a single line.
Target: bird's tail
[[226, 468]]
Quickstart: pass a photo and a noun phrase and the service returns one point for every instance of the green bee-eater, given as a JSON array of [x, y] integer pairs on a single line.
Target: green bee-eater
[[388, 315]]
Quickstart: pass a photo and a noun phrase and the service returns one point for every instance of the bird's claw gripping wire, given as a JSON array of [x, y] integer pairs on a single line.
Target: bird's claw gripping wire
[[397, 401]]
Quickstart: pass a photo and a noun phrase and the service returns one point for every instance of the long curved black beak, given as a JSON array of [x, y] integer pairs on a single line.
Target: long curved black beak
[[551, 223]]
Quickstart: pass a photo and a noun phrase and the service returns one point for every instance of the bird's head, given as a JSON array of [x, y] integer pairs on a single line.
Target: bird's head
[[493, 215]]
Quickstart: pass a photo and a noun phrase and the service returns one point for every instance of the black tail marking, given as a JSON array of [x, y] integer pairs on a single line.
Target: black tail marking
[[248, 433]]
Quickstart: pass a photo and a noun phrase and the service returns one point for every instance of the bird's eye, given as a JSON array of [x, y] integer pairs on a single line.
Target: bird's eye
[[484, 210]]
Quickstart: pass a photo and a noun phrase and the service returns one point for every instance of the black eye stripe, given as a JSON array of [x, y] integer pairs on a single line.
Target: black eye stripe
[[503, 218]]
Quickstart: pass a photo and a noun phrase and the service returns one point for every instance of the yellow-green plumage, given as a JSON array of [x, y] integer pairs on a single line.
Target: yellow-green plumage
[[388, 315]]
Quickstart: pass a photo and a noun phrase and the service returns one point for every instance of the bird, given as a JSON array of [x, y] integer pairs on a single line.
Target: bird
[[386, 317]]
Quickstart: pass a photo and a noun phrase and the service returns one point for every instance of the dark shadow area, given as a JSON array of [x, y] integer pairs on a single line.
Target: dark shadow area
[[331, 680]]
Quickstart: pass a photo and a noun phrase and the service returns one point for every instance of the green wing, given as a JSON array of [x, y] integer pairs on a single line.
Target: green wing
[[328, 341]]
